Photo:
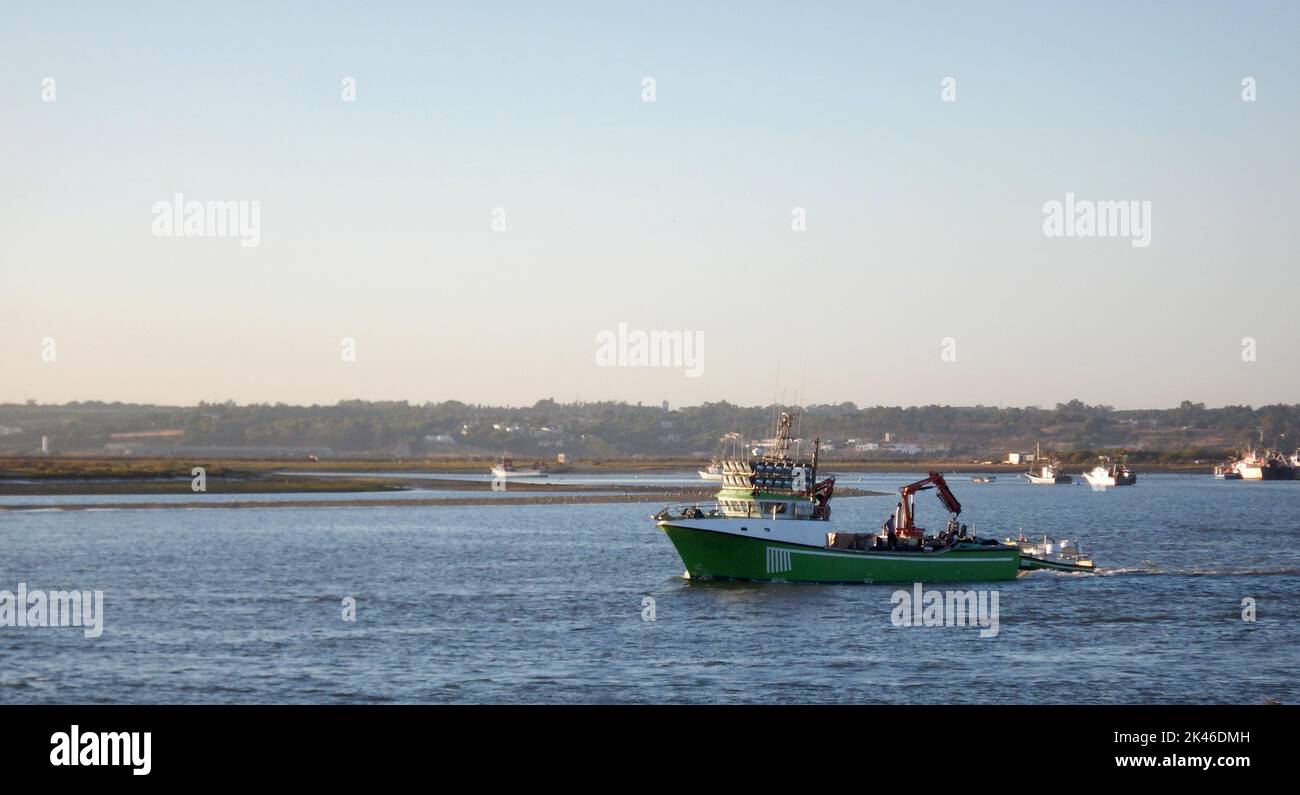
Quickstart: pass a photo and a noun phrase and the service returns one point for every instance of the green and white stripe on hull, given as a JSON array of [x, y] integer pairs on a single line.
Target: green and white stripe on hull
[[710, 552], [1030, 562]]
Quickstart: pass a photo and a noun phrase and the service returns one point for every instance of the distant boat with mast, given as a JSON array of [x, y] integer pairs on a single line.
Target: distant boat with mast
[[1268, 465], [729, 443], [1046, 473]]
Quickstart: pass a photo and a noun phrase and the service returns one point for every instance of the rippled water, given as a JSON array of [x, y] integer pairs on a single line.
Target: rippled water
[[517, 603], [35, 502]]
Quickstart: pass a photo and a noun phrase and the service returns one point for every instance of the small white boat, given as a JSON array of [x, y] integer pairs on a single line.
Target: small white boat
[[1065, 555], [730, 445], [506, 468], [1045, 474], [1048, 476], [1108, 474], [1226, 472], [712, 472]]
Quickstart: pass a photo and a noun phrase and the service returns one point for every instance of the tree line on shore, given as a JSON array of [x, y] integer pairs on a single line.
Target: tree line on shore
[[605, 429]]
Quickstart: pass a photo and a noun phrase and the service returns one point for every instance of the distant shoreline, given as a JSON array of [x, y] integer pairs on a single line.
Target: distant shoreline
[[91, 476], [68, 476], [625, 494]]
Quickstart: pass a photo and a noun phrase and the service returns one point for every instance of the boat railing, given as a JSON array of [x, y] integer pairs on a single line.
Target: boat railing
[[689, 510], [751, 510]]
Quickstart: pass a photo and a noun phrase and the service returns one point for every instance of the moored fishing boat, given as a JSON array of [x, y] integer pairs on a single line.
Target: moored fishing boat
[[1048, 476], [1226, 472], [772, 521], [1046, 473], [505, 468], [1268, 465], [1109, 473], [713, 472]]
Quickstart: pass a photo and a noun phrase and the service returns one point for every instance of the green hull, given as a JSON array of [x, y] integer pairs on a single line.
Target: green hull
[[709, 554], [1029, 563]]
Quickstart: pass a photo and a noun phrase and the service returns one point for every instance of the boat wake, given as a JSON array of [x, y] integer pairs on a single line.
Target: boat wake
[[1204, 571]]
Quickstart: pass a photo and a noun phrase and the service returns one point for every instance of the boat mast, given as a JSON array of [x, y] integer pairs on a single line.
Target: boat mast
[[783, 436]]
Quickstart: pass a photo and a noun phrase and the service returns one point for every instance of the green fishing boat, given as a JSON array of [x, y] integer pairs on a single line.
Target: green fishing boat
[[772, 521]]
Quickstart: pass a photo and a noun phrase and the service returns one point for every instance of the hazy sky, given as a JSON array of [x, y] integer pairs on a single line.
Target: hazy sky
[[924, 217]]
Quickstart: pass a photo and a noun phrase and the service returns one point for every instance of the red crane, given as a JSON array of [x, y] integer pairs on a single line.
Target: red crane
[[904, 519]]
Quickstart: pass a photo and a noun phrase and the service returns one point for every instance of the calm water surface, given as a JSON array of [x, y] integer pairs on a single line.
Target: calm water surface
[[544, 604]]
